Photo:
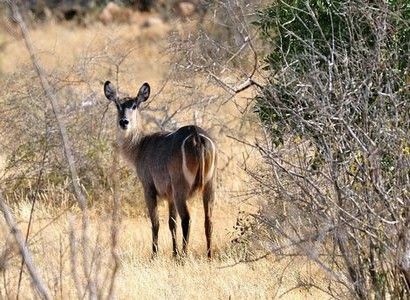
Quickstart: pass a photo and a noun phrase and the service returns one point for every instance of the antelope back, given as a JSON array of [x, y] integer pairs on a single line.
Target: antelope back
[[183, 160]]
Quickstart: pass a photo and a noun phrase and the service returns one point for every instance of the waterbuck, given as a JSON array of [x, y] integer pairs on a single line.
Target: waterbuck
[[172, 165]]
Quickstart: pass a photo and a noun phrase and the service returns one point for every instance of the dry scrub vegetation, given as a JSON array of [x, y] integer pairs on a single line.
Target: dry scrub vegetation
[[77, 61]]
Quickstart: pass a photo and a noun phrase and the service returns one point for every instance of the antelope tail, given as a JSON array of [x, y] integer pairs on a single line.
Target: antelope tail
[[199, 143]]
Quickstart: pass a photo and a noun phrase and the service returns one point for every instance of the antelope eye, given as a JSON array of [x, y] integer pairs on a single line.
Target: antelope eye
[[134, 106]]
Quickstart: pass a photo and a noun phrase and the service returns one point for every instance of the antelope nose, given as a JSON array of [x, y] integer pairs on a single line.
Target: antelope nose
[[124, 123]]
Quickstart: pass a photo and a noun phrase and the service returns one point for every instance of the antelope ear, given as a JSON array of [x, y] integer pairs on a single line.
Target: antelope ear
[[109, 91], [143, 93]]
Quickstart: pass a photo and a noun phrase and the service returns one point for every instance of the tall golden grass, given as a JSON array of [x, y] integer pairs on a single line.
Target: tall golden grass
[[74, 55]]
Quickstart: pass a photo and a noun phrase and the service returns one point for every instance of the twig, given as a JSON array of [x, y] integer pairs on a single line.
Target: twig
[[249, 81], [239, 88]]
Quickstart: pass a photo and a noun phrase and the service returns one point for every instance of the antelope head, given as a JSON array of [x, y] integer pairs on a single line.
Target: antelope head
[[127, 107]]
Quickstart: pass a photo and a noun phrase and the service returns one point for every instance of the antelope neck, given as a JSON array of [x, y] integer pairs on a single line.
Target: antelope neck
[[129, 139]]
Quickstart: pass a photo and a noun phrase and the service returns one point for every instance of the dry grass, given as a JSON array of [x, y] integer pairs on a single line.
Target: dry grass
[[63, 50], [140, 277]]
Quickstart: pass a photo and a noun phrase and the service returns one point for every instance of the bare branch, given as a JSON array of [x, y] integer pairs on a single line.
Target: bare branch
[[48, 90], [25, 253]]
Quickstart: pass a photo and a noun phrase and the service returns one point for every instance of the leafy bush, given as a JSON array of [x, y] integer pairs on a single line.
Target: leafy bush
[[337, 111]]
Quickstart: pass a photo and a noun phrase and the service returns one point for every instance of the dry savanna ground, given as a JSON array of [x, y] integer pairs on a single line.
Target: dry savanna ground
[[82, 59]]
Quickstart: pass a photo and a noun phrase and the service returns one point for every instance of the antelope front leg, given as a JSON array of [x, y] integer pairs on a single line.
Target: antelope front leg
[[172, 222], [208, 200], [151, 201]]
